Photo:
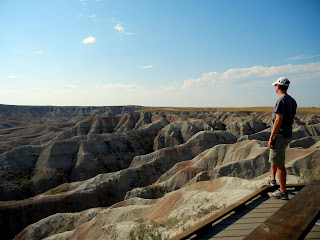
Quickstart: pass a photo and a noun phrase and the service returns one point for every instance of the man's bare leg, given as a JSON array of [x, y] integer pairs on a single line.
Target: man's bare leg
[[273, 171], [282, 174]]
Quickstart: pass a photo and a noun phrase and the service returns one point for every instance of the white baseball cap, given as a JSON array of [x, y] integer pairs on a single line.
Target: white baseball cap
[[282, 81]]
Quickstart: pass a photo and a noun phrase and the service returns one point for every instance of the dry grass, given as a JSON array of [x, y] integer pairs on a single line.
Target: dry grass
[[177, 109], [228, 109], [309, 110]]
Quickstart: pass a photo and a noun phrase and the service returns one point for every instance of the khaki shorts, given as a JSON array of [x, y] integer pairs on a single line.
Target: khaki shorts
[[278, 153]]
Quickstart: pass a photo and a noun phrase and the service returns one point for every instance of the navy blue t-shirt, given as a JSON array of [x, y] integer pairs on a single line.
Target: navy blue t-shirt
[[286, 106]]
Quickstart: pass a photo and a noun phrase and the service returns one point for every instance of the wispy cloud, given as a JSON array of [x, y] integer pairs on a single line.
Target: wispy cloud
[[93, 18], [116, 85], [83, 2], [206, 78], [73, 86], [39, 52], [12, 77], [303, 57], [146, 67], [252, 74], [89, 40]]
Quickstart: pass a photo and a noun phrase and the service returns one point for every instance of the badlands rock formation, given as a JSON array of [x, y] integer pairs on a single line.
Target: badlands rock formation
[[113, 172], [25, 125]]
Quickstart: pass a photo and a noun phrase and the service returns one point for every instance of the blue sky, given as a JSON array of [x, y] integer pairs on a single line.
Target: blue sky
[[183, 53]]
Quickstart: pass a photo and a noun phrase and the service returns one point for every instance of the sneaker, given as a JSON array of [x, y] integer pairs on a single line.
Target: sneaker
[[272, 182], [279, 195]]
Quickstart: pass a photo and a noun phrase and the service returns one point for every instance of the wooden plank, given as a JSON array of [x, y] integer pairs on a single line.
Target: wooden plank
[[294, 219]]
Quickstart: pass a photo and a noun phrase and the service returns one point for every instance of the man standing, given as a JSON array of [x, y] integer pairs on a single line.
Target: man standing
[[281, 134]]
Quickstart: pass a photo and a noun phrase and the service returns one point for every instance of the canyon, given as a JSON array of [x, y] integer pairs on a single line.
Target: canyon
[[117, 172]]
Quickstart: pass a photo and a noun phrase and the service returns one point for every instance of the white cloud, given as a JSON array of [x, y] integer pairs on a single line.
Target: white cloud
[[83, 2], [252, 74], [303, 57], [146, 67], [89, 40], [119, 28], [12, 77]]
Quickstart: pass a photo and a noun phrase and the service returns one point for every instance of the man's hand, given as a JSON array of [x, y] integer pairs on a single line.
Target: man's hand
[[276, 126], [270, 143]]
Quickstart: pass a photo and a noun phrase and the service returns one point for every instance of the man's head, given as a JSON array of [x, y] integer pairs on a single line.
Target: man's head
[[283, 83]]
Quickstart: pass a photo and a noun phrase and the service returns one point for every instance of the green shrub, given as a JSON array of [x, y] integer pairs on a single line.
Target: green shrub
[[170, 222], [145, 232], [55, 191]]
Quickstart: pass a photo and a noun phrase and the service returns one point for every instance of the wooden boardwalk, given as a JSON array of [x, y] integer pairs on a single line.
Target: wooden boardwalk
[[239, 225], [246, 218]]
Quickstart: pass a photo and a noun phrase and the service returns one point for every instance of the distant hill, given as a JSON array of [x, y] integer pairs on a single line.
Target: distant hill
[[13, 111]]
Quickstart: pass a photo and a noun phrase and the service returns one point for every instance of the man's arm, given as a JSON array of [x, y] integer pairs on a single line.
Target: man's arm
[[276, 126]]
